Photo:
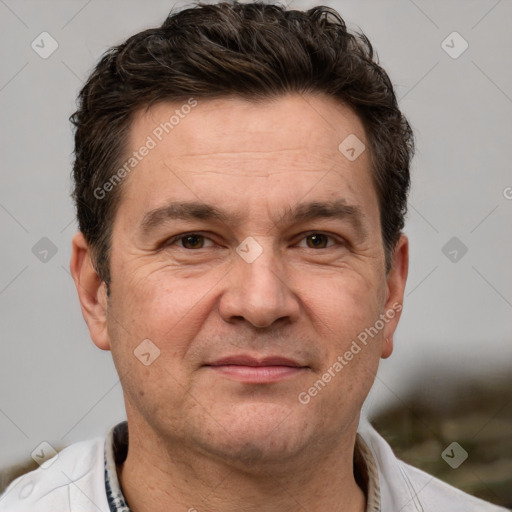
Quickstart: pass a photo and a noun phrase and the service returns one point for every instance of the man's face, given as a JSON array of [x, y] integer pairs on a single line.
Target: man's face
[[268, 279]]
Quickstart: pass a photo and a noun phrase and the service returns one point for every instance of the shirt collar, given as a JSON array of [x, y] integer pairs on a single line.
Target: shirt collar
[[366, 468], [116, 449]]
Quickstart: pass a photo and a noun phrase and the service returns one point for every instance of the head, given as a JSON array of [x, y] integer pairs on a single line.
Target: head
[[229, 122]]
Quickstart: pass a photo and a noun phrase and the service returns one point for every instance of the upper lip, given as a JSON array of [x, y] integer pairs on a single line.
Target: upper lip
[[246, 360]]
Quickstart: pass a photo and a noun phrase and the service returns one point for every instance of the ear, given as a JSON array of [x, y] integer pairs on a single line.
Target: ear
[[92, 291], [396, 280]]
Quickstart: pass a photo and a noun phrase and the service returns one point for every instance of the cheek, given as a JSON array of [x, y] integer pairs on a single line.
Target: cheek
[[344, 304], [350, 305], [165, 307], [349, 365], [152, 308]]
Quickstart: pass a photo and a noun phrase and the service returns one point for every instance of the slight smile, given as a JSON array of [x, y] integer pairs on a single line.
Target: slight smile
[[250, 370]]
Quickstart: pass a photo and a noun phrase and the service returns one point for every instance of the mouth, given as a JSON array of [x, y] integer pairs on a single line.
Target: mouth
[[250, 370]]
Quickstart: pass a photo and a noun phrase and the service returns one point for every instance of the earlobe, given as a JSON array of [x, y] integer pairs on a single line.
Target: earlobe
[[387, 348], [91, 291], [396, 280]]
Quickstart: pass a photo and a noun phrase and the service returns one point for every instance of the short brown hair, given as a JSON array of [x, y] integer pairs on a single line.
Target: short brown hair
[[255, 51]]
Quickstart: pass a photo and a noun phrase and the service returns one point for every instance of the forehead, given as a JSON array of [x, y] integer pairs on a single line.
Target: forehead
[[313, 125], [247, 155]]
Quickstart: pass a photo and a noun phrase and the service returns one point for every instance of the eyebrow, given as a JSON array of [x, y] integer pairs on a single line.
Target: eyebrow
[[194, 210], [336, 209]]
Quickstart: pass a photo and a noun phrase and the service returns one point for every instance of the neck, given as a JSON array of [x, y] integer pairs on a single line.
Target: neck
[[154, 478]]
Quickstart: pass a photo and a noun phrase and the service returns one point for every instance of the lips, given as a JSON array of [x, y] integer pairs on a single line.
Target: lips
[[251, 370], [244, 360]]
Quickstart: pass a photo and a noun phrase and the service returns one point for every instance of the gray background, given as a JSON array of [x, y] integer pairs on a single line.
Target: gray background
[[56, 386]]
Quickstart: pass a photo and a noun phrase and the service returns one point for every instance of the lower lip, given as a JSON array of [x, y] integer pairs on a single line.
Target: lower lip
[[257, 374]]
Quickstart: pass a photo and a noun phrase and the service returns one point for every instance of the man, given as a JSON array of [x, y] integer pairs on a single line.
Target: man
[[241, 178]]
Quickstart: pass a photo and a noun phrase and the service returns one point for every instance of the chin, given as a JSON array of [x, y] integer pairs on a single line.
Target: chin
[[249, 453], [262, 434]]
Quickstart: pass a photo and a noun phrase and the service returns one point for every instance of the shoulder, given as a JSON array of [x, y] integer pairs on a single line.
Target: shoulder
[[436, 495], [409, 489], [72, 480]]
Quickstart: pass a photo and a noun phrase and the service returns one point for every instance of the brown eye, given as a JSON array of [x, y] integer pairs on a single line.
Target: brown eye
[[192, 241], [317, 241]]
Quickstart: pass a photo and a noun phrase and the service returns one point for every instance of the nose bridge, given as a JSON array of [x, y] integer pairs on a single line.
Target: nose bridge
[[264, 279], [258, 290]]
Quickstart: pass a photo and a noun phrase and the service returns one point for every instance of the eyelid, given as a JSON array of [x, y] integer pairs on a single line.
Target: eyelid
[[337, 239], [172, 241]]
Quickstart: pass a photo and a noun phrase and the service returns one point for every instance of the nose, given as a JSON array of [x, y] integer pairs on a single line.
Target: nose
[[259, 292]]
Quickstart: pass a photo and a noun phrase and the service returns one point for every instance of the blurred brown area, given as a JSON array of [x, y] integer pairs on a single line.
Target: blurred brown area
[[475, 414], [9, 474]]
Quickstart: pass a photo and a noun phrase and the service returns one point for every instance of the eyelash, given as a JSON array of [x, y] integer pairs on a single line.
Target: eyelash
[[177, 238]]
